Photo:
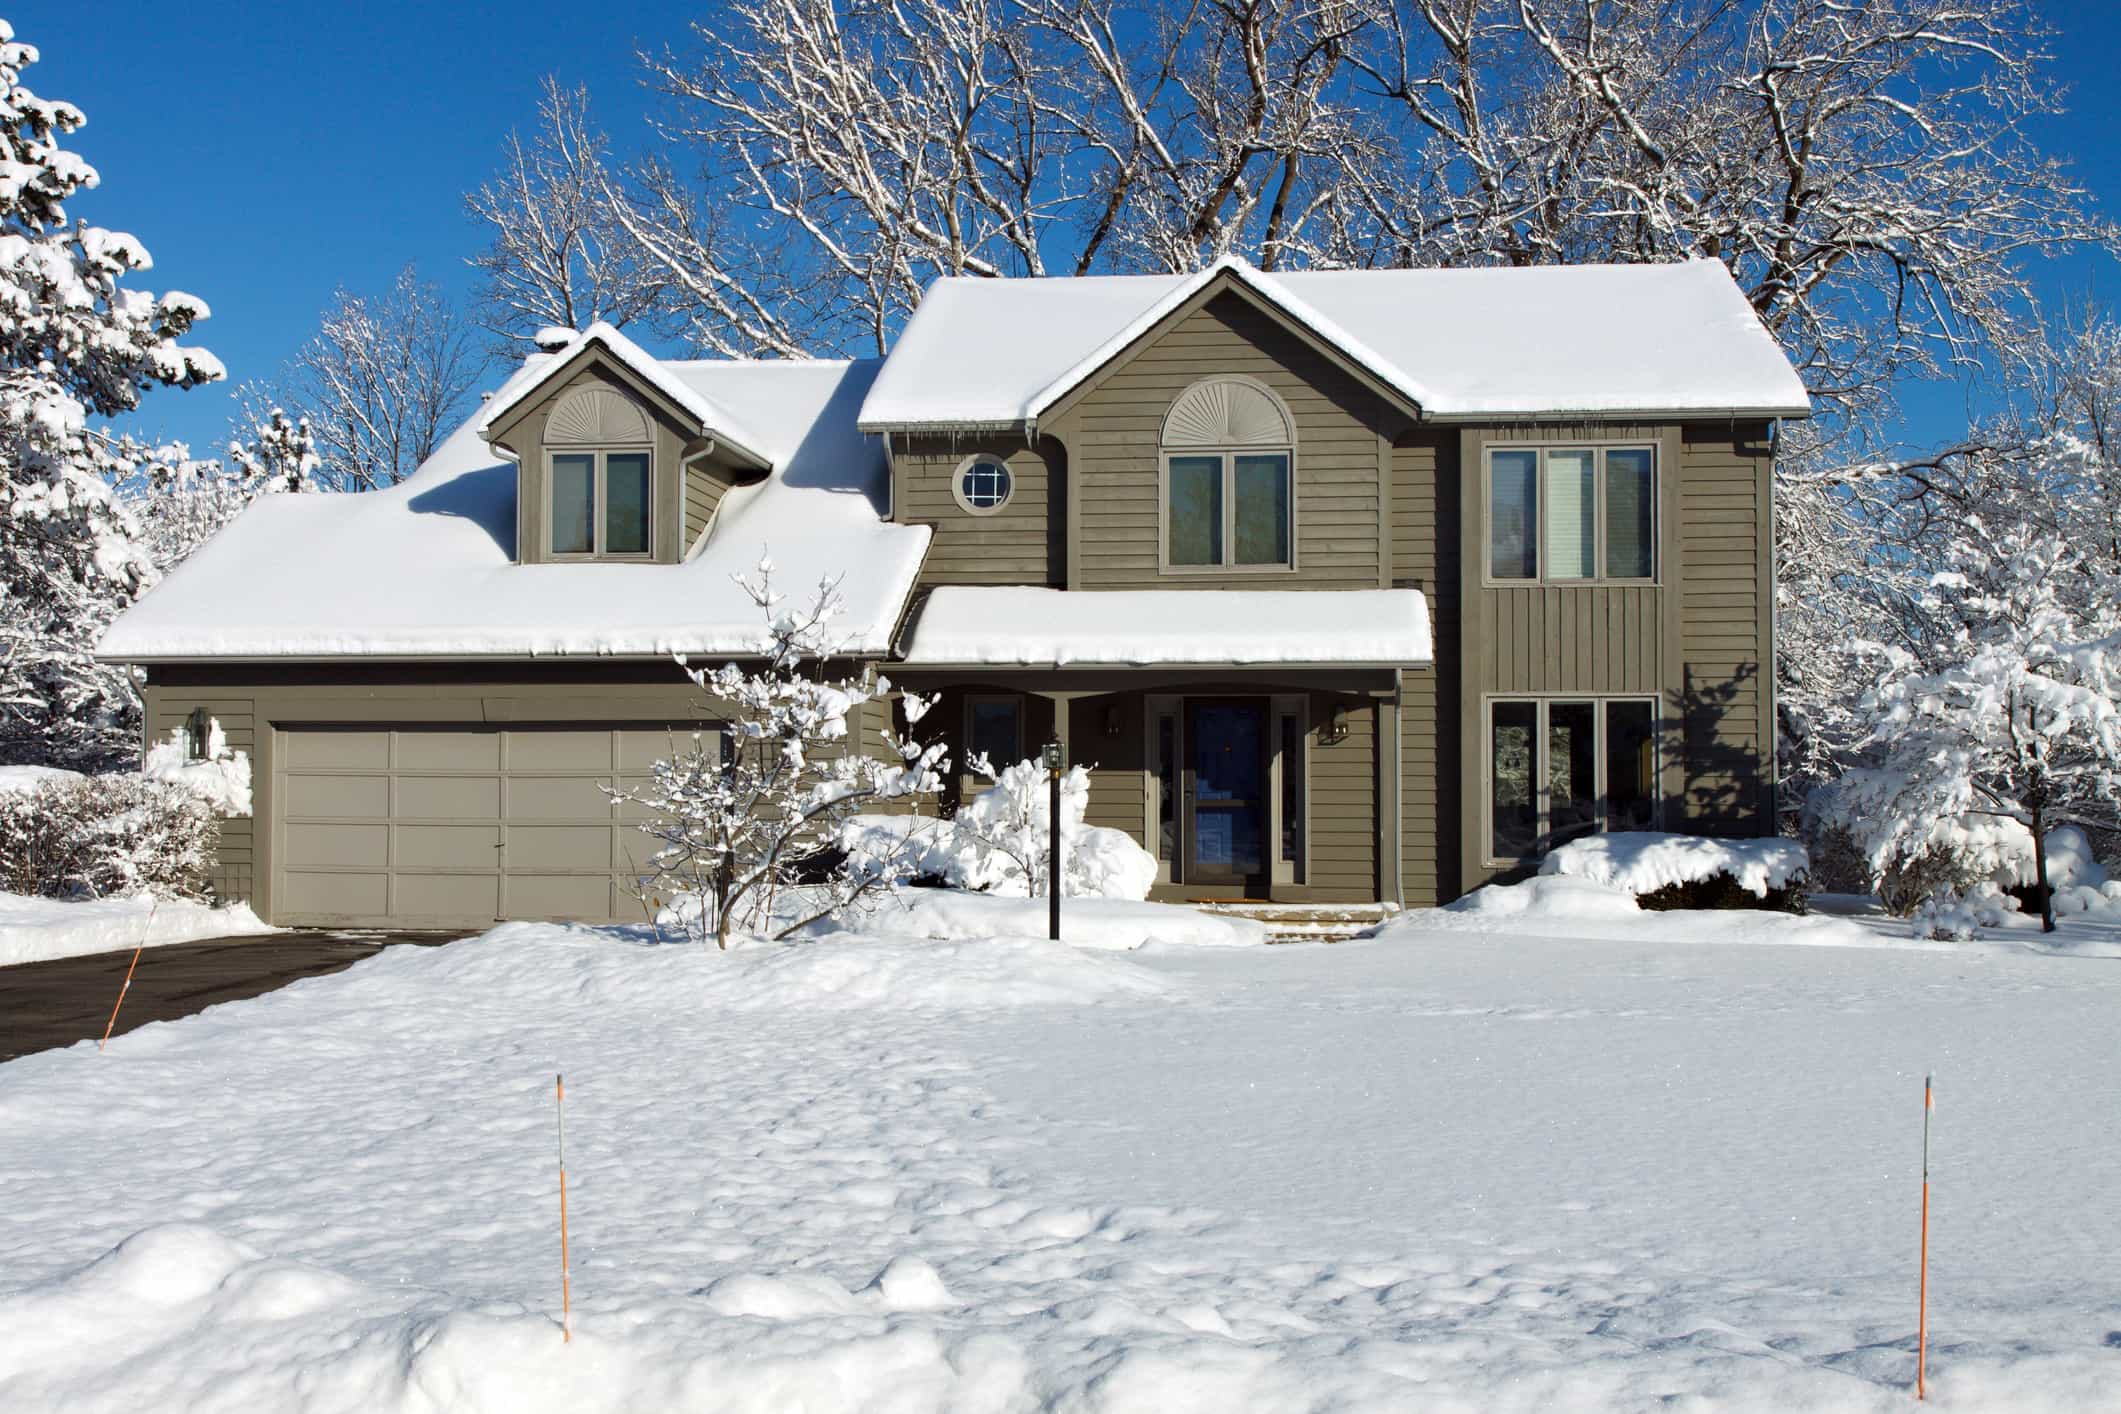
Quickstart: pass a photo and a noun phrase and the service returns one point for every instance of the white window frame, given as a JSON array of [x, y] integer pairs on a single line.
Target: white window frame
[[957, 484], [598, 454], [1659, 727], [1229, 456], [1283, 708], [1600, 451]]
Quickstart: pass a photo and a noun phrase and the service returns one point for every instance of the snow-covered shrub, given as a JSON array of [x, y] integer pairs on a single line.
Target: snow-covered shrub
[[221, 777], [1666, 871], [999, 842], [104, 836], [747, 820], [1950, 915]]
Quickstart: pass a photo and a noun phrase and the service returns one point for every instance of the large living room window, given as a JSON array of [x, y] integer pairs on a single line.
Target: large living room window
[[1562, 515], [599, 477], [1561, 767], [1228, 462]]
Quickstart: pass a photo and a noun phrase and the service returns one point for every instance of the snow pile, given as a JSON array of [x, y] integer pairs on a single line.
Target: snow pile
[[1566, 906], [1951, 915], [1375, 1176], [39, 929], [23, 779], [1052, 627], [221, 777], [1000, 842], [1111, 923], [1642, 862]]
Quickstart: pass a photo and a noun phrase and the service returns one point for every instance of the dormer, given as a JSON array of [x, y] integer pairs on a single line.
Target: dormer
[[617, 459]]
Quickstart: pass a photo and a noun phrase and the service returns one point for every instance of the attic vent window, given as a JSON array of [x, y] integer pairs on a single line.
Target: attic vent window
[[982, 484]]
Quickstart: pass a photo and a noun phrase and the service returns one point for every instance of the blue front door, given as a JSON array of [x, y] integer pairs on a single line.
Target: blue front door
[[1226, 791]]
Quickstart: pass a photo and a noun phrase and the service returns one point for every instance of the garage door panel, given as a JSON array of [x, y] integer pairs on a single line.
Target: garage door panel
[[577, 896], [338, 846], [575, 798], [335, 796], [449, 798], [639, 750], [449, 751], [474, 897], [449, 846], [305, 895], [559, 846], [632, 812], [338, 751], [559, 751]]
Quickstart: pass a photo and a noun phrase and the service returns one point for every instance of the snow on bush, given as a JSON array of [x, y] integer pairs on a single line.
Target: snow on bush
[[106, 836], [221, 777], [1949, 915], [18, 778], [1642, 862], [999, 842]]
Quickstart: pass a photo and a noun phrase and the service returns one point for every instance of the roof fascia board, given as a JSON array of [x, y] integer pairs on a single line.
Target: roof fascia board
[[1721, 414], [587, 353]]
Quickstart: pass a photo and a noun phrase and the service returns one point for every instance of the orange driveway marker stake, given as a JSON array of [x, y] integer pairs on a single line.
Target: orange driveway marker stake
[[128, 986], [1922, 1313], [566, 1297]]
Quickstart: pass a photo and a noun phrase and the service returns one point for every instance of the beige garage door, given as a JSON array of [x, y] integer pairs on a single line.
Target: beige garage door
[[451, 827]]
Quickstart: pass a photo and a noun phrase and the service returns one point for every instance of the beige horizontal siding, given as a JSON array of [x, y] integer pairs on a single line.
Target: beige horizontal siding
[[1018, 544]]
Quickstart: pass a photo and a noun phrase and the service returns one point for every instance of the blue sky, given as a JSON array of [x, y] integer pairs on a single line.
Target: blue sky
[[268, 153]]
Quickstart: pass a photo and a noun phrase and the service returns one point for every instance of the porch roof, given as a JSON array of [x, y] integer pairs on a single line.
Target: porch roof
[[1022, 627]]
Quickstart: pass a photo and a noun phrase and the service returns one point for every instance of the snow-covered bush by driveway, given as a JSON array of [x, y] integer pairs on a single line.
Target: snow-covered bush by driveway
[[1686, 871], [106, 836], [999, 842]]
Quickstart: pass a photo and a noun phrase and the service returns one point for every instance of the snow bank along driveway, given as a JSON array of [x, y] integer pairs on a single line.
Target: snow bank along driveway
[[1440, 1170]]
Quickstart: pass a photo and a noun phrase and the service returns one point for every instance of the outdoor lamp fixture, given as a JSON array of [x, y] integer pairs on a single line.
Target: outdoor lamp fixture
[[198, 731], [1056, 761], [1336, 726], [1112, 721]]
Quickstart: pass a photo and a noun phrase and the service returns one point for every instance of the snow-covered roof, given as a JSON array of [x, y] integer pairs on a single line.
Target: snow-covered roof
[[1546, 341], [713, 416], [424, 568], [1141, 627]]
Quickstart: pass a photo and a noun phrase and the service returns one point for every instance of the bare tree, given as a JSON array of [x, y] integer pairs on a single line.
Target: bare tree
[[558, 255], [381, 383]]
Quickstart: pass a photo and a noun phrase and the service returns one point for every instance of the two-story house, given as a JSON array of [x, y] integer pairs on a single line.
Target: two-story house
[[1345, 586]]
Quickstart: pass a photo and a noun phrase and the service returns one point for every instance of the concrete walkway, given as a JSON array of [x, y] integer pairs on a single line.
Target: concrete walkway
[[48, 1004]]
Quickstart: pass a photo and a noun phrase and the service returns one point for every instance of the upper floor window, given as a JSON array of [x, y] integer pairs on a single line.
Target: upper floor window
[[600, 476], [1559, 514], [1229, 483], [982, 484]]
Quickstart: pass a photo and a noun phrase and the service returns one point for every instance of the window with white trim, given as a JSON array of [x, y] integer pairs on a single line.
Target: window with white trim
[[1228, 494], [600, 504], [1557, 768], [982, 484], [1572, 515]]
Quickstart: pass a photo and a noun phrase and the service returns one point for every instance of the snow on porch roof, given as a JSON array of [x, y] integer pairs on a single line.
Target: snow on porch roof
[[1010, 627], [1547, 341]]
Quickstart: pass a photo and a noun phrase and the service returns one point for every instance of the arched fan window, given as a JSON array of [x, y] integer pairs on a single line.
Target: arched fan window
[[599, 454], [1229, 478]]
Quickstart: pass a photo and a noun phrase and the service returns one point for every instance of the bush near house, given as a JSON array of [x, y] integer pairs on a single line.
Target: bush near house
[[1665, 871], [105, 836]]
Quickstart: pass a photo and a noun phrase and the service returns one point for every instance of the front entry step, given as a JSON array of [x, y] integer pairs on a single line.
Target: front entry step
[[1306, 922]]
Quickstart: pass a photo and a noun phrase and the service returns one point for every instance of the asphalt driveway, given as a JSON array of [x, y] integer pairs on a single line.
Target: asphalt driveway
[[48, 1004]]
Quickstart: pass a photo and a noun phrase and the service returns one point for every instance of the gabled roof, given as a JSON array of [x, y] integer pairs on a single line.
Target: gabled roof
[[425, 569], [714, 420], [1499, 343]]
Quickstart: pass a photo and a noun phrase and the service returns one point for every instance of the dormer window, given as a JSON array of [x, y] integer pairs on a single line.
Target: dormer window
[[600, 455]]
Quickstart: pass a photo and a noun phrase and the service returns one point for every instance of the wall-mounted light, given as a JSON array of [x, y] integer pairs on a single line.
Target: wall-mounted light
[[198, 731], [1336, 728], [1112, 721]]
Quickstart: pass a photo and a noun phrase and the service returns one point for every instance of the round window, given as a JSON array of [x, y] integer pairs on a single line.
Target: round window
[[983, 485]]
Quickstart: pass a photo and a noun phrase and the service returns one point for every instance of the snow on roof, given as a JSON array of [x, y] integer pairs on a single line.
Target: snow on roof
[[1489, 342], [656, 373], [424, 568], [1052, 627]]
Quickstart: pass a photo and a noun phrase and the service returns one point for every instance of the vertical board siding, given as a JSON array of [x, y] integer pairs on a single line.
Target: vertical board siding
[[1726, 533], [1113, 436], [1017, 544], [1424, 547]]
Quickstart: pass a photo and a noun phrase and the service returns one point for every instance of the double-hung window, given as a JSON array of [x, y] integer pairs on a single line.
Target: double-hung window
[[600, 504], [1561, 515], [1558, 768]]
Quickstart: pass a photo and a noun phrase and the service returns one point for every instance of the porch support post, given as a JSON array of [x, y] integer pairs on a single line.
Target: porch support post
[[1391, 881]]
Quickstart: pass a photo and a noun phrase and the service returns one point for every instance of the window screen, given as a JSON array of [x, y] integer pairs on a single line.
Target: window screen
[[1195, 515], [626, 503], [1262, 501], [574, 504], [1572, 513], [1513, 504], [1630, 519]]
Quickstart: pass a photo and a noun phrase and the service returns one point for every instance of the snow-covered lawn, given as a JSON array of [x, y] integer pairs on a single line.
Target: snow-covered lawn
[[38, 929], [1445, 1169]]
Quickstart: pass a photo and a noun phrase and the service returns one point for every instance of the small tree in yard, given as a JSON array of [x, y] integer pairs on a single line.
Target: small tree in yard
[[2010, 706], [744, 822]]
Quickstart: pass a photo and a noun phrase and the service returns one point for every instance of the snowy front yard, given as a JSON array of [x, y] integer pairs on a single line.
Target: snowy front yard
[[1444, 1169]]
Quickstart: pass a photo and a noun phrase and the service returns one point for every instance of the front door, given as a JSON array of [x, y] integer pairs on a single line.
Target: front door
[[1226, 791]]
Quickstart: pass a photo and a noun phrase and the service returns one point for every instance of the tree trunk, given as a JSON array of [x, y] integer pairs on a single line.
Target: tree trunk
[[2047, 894]]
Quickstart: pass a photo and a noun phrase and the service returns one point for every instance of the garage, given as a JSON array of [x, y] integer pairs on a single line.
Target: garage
[[456, 826]]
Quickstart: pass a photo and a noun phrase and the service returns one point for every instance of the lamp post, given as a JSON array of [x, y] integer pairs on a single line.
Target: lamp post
[[1056, 761]]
